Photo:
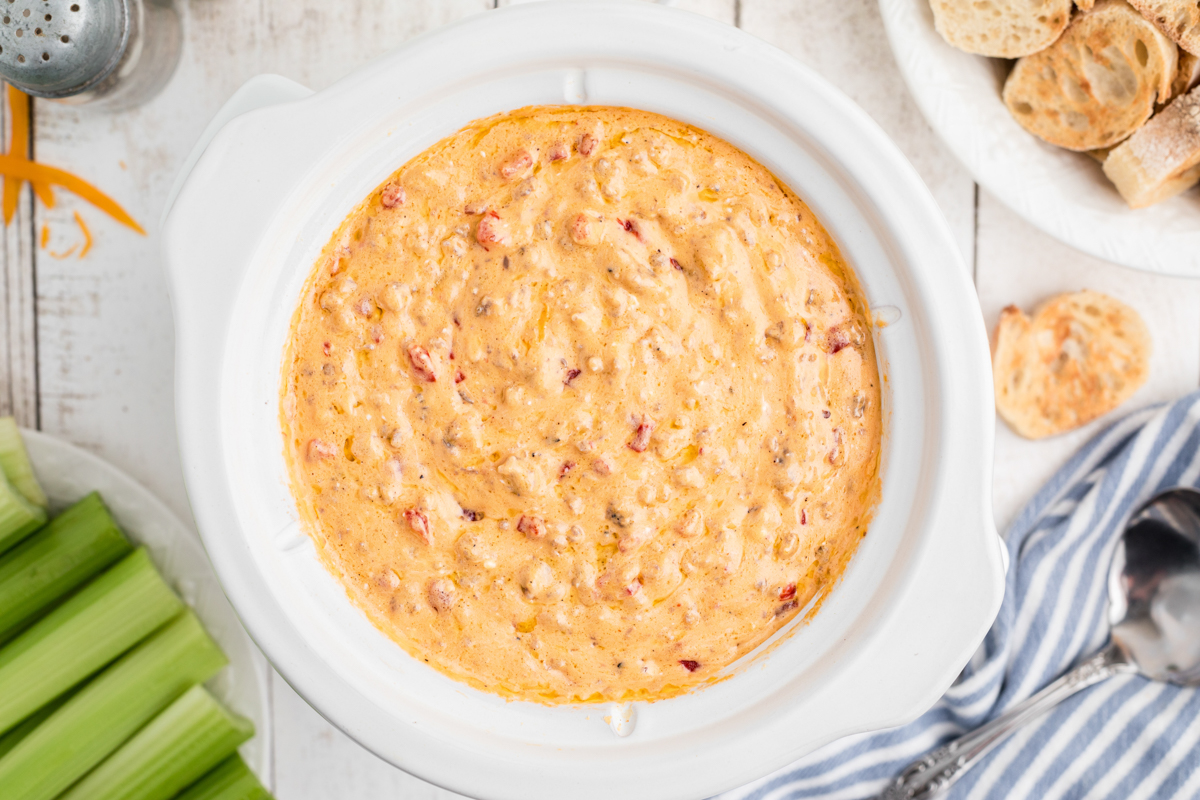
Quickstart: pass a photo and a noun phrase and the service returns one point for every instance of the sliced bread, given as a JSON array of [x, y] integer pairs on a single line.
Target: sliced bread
[[1188, 74], [1179, 19], [1001, 28], [1079, 357], [1098, 83], [1161, 159]]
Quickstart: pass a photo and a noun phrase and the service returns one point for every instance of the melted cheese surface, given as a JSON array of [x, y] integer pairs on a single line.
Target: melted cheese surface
[[582, 404]]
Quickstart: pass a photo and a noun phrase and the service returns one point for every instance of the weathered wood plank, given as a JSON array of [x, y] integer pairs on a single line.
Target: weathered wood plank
[[1020, 265], [844, 41], [18, 357], [316, 760]]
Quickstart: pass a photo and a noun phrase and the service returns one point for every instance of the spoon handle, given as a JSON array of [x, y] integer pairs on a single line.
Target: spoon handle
[[933, 774]]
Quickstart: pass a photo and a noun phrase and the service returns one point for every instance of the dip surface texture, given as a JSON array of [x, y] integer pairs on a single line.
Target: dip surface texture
[[582, 405]]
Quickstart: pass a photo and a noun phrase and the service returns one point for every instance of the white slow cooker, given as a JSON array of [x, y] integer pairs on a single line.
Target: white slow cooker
[[278, 171]]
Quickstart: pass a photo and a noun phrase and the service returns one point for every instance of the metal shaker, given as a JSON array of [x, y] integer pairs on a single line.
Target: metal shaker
[[115, 53]]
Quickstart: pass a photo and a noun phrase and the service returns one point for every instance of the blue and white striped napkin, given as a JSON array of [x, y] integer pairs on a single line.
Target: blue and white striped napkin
[[1126, 738]]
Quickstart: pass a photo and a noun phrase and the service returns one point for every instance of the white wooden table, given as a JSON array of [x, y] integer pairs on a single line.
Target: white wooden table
[[88, 348]]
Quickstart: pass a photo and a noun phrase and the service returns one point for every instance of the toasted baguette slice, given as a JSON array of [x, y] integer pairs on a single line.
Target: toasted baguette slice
[[1085, 5], [1179, 19], [1162, 159], [1079, 357], [1098, 83], [1187, 77], [1001, 28]]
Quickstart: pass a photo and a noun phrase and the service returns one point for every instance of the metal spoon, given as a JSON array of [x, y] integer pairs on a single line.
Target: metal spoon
[[1154, 610]]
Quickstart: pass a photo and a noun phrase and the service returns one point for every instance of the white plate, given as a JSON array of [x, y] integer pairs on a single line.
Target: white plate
[[67, 473], [1063, 193]]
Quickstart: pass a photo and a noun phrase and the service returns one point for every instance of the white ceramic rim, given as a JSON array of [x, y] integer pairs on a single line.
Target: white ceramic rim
[[67, 473], [233, 296], [1063, 193]]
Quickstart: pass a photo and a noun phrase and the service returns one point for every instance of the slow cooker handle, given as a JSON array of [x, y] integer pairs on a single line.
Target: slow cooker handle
[[258, 92]]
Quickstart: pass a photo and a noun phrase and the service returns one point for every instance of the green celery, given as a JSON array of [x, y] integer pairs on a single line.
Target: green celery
[[14, 461], [83, 634], [230, 780], [71, 549], [110, 709], [10, 740], [173, 751], [18, 516]]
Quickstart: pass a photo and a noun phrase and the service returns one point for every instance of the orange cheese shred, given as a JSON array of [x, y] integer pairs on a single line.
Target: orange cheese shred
[[87, 235], [45, 236], [24, 169], [18, 109], [44, 191]]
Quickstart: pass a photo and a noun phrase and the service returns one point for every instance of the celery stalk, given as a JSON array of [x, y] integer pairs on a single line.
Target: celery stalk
[[110, 709], [14, 737], [87, 631], [230, 780], [14, 461], [71, 549], [18, 516], [175, 749]]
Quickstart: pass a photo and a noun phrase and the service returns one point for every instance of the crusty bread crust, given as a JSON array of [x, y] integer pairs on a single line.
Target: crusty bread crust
[[1187, 76], [1085, 5], [1179, 19], [1001, 28], [1162, 158], [1079, 357], [1098, 83]]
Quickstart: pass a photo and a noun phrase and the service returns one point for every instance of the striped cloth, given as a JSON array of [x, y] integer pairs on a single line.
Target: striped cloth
[[1125, 738]]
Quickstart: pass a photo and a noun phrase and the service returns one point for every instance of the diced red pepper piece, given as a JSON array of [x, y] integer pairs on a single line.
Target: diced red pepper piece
[[580, 229], [532, 527], [419, 523], [689, 665], [393, 195], [641, 437], [838, 340], [319, 449], [631, 226], [520, 161], [422, 363], [491, 230]]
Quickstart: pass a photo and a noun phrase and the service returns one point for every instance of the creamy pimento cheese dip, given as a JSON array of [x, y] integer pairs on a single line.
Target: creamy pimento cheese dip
[[582, 404]]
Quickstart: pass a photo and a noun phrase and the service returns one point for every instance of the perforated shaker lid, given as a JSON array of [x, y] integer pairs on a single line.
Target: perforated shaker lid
[[57, 48]]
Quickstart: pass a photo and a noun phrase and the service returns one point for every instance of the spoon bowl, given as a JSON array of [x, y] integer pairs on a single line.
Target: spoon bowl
[[1154, 588], [1154, 614]]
